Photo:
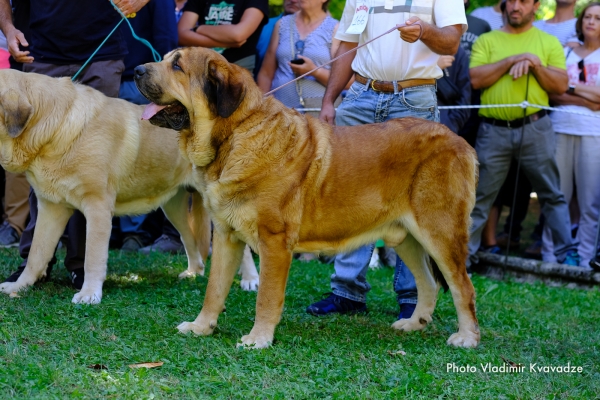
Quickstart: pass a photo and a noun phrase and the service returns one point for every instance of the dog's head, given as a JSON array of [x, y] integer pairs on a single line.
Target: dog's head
[[189, 84], [191, 90]]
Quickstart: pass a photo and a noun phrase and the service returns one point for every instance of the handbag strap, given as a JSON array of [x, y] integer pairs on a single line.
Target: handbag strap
[[293, 48]]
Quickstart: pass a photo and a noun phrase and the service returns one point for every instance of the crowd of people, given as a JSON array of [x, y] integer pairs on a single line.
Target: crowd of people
[[442, 56]]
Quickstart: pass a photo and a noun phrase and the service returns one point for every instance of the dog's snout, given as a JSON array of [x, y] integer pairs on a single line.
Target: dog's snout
[[139, 71]]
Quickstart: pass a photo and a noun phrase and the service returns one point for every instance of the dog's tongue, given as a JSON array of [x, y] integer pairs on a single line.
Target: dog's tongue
[[151, 110]]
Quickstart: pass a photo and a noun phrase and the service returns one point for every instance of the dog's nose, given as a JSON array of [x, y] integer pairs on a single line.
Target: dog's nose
[[139, 71]]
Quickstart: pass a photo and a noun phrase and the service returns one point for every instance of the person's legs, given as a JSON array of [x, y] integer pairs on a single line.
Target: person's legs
[[539, 164], [494, 150], [587, 165], [565, 161], [16, 199]]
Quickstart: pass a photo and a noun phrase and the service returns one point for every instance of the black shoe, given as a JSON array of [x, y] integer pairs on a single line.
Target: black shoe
[[333, 304], [595, 263], [132, 243], [77, 278], [15, 275]]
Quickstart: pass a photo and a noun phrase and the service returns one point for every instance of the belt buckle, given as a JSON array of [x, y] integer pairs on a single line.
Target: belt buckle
[[373, 87]]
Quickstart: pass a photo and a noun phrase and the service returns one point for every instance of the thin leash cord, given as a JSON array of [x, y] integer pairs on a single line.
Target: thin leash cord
[[155, 53], [342, 55], [514, 199]]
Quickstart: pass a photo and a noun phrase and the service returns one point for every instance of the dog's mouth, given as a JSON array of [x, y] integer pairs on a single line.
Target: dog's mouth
[[173, 116]]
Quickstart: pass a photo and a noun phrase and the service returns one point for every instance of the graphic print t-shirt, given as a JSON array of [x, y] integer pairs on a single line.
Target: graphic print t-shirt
[[229, 12]]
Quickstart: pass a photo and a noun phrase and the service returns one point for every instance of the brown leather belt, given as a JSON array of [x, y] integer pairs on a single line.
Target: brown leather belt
[[388, 86], [515, 123]]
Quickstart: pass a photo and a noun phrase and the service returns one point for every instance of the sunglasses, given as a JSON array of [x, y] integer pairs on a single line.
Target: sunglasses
[[299, 48], [581, 66]]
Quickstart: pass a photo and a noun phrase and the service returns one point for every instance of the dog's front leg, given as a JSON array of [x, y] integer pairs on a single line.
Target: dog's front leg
[[275, 260], [227, 255], [51, 221], [98, 217]]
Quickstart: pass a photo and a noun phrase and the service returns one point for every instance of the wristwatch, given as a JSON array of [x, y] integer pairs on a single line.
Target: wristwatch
[[571, 89]]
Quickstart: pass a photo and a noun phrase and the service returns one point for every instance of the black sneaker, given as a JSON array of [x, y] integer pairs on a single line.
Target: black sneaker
[[336, 304], [164, 244], [15, 275], [595, 263], [9, 237], [77, 278]]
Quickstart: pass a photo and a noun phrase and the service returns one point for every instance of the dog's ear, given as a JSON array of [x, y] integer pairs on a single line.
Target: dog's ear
[[17, 112], [224, 88]]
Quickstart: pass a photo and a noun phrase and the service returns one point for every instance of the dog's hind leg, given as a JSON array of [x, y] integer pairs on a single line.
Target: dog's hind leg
[[248, 271], [448, 247], [226, 257], [51, 221], [178, 212], [417, 260]]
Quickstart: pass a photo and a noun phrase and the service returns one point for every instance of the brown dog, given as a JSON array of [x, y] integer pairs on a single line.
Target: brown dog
[[283, 182], [82, 150]]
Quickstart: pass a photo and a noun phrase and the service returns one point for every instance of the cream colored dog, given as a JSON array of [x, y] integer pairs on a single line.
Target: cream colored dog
[[82, 150], [283, 183]]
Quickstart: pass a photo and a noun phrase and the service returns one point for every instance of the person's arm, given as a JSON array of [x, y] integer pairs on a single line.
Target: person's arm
[[460, 71], [566, 99], [591, 93], [14, 37], [130, 6], [264, 79], [189, 37], [442, 41], [234, 33], [484, 76], [341, 73]]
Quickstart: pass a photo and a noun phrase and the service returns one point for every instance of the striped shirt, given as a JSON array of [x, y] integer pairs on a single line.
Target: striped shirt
[[493, 17], [564, 31]]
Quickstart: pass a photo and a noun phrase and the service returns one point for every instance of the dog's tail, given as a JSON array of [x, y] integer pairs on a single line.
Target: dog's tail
[[437, 274]]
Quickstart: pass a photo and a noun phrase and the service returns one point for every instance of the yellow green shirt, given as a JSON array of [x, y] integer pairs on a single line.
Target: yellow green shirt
[[496, 45]]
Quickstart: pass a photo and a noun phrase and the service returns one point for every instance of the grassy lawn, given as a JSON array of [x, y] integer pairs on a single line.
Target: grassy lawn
[[47, 343]]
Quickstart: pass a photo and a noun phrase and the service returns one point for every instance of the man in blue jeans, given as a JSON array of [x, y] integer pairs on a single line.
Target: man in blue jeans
[[394, 78]]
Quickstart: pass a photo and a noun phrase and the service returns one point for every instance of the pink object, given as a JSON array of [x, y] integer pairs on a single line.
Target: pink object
[[4, 55]]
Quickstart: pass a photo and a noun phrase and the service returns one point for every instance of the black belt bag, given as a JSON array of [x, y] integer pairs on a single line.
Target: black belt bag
[[516, 123]]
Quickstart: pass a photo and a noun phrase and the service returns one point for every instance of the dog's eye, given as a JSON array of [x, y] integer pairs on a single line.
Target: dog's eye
[[176, 66]]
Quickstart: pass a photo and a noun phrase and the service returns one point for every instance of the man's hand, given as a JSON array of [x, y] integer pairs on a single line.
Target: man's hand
[[14, 38], [130, 6], [445, 61], [413, 30], [519, 69], [327, 113]]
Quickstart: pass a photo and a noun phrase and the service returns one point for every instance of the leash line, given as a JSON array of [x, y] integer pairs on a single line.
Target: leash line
[[157, 57], [342, 55]]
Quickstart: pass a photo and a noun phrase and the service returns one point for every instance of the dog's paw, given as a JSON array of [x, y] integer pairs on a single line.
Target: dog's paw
[[88, 297], [411, 324], [11, 287], [250, 285], [190, 274], [252, 341], [196, 328], [467, 340]]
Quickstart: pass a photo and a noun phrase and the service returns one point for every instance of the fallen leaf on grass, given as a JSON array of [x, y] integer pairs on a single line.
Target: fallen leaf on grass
[[396, 353], [511, 363], [13, 295], [147, 365], [97, 366]]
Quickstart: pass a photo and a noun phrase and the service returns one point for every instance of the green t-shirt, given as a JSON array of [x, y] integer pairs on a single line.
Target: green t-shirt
[[497, 45]]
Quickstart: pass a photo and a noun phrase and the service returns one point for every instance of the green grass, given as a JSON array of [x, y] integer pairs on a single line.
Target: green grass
[[47, 343]]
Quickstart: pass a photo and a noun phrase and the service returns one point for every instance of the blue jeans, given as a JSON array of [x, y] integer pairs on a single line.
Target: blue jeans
[[363, 105]]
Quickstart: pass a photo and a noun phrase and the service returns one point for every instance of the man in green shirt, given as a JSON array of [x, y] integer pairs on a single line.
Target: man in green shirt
[[509, 65]]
